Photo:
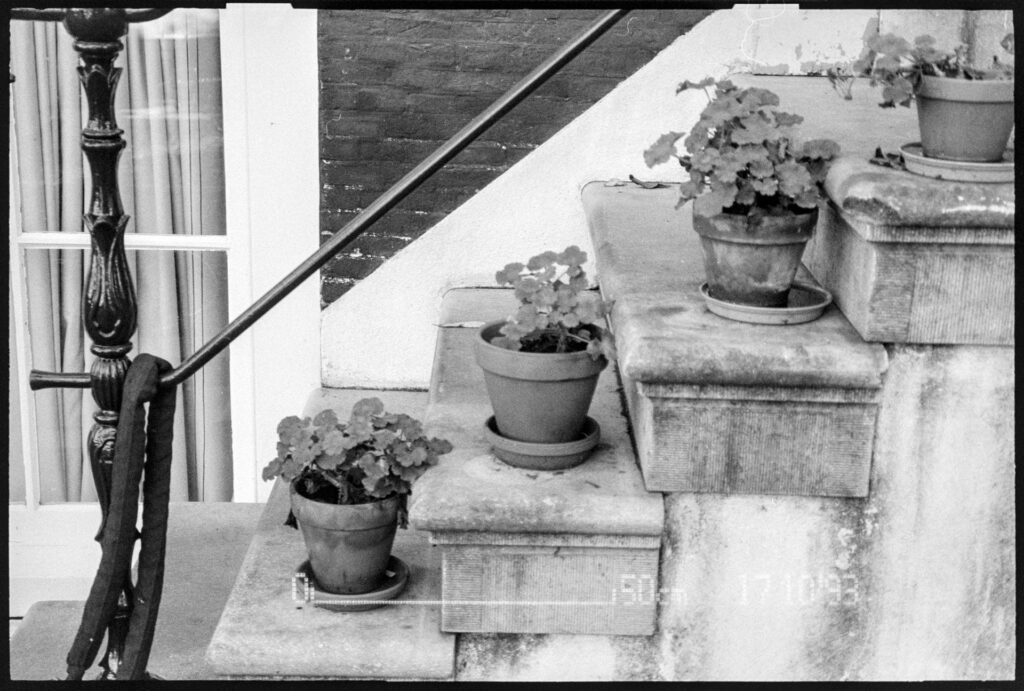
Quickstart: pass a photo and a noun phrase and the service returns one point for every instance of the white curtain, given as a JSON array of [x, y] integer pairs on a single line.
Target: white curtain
[[171, 180]]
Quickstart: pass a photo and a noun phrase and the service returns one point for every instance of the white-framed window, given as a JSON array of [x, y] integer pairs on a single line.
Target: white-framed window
[[269, 204]]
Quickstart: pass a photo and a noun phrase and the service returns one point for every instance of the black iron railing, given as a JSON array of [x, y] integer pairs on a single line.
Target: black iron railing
[[109, 302]]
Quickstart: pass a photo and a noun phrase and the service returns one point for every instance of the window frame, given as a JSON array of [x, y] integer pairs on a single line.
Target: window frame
[[270, 83]]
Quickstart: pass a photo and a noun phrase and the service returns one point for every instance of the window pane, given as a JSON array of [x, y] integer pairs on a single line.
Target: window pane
[[171, 177], [182, 303], [168, 102]]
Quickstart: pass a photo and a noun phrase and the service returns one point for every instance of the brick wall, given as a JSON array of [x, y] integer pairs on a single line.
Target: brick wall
[[395, 84]]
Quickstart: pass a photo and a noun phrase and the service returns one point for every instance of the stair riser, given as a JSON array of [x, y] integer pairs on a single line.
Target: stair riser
[[912, 292], [595, 585], [761, 441]]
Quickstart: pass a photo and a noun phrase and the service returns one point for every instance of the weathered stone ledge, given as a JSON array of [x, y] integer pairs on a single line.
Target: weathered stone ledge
[[912, 259], [472, 490], [719, 405], [531, 551], [887, 205]]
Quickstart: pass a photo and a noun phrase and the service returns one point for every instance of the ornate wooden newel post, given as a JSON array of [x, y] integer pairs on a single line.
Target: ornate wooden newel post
[[109, 305]]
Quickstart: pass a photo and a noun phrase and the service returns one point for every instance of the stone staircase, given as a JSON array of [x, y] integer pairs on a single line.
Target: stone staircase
[[788, 514], [809, 502]]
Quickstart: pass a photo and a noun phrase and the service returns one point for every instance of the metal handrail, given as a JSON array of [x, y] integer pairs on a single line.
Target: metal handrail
[[405, 186]]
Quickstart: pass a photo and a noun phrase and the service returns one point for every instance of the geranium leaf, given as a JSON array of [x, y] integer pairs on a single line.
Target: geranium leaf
[[807, 199], [767, 186], [283, 450], [290, 469], [787, 119], [688, 190], [367, 407], [754, 131], [721, 197], [384, 437], [662, 150], [541, 260], [793, 178], [334, 442], [325, 418], [290, 429], [272, 470], [746, 194], [330, 461], [890, 44], [509, 274], [572, 256], [439, 446], [821, 148]]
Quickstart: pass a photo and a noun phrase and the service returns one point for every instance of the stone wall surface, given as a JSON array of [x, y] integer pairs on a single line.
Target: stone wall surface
[[915, 582]]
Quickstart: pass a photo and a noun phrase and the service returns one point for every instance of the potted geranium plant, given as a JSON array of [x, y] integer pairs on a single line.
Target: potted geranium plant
[[541, 364], [755, 189], [349, 483], [965, 112]]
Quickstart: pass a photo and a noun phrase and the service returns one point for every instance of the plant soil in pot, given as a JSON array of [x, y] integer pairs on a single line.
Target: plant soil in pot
[[756, 191], [751, 260], [541, 364], [349, 486], [965, 120]]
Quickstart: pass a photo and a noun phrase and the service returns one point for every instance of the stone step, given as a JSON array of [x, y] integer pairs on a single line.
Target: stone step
[[532, 551], [911, 259], [265, 632], [720, 405], [205, 546]]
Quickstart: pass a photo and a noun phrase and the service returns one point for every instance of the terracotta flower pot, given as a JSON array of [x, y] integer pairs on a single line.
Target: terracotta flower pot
[[348, 544], [752, 261], [963, 119], [537, 397]]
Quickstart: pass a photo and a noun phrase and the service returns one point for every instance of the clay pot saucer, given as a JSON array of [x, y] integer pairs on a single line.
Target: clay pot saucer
[[806, 303], [306, 589], [543, 456], [960, 171]]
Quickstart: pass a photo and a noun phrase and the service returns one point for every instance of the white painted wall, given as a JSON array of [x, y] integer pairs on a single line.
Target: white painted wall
[[271, 158], [381, 332]]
